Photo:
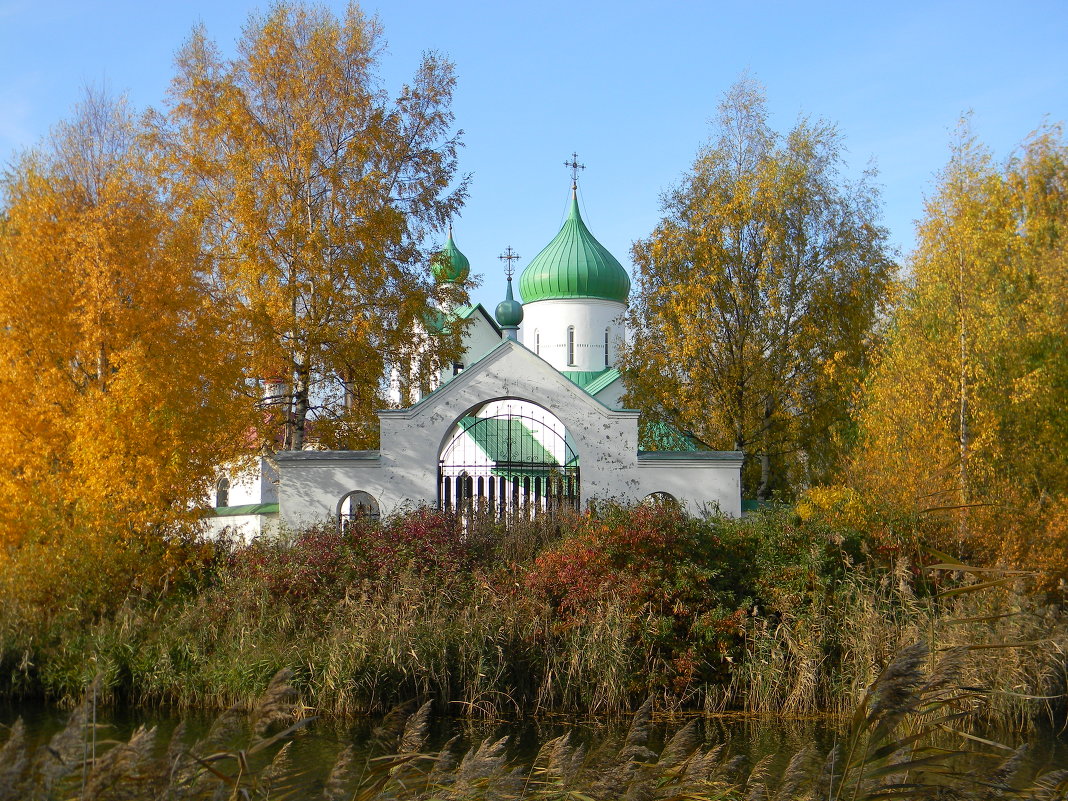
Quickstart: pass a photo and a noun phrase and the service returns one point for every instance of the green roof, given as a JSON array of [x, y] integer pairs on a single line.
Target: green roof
[[574, 265], [663, 436], [247, 509], [593, 381], [437, 322], [450, 265], [510, 444]]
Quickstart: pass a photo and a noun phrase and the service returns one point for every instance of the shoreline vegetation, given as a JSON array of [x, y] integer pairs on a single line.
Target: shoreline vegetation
[[794, 610], [902, 741]]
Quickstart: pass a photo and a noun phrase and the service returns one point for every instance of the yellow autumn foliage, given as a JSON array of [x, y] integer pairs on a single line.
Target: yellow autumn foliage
[[318, 193], [964, 419], [121, 391], [839, 506], [758, 296]]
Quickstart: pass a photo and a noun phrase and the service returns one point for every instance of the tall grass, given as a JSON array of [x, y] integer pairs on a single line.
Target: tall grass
[[902, 741], [587, 614]]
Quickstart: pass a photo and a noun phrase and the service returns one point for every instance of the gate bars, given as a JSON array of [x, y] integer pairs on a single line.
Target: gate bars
[[510, 464]]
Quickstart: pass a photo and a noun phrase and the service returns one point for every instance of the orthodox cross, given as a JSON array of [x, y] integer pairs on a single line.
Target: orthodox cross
[[508, 257], [575, 167]]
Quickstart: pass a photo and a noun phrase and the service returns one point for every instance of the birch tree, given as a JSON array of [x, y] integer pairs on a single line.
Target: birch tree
[[965, 409], [758, 295], [318, 192]]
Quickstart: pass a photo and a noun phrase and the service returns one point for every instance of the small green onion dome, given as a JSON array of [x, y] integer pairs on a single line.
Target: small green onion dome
[[574, 265], [509, 311], [450, 265]]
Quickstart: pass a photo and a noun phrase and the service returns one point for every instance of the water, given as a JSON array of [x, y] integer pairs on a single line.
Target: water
[[316, 748]]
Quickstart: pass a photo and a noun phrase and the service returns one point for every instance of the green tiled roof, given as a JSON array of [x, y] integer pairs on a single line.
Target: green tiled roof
[[606, 378], [661, 436], [593, 381], [583, 377], [437, 322], [574, 265], [247, 509]]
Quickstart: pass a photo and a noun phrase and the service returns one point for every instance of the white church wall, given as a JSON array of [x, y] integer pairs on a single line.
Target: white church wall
[[545, 325], [606, 440], [406, 468], [255, 484], [702, 482], [245, 528], [314, 482], [405, 471], [611, 396], [480, 338]]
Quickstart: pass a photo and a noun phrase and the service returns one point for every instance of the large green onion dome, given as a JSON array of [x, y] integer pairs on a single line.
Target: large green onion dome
[[450, 265], [574, 265]]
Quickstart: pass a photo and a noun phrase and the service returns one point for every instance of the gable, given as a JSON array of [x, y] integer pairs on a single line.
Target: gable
[[509, 370]]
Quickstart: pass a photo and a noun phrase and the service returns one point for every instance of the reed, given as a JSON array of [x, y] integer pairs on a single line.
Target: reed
[[902, 741], [586, 614]]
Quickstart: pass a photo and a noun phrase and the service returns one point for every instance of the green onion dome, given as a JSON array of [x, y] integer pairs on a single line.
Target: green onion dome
[[450, 265], [574, 265], [509, 311]]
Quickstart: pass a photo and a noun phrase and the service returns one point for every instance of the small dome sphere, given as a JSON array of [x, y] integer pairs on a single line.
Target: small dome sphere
[[450, 265], [509, 313], [434, 321]]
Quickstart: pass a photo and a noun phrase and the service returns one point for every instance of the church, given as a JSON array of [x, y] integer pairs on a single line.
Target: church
[[529, 421]]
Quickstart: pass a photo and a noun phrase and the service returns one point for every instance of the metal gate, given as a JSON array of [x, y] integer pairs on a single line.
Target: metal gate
[[512, 463]]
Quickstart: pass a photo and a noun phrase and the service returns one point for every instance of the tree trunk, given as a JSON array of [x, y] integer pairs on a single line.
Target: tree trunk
[[765, 477], [965, 432], [301, 404]]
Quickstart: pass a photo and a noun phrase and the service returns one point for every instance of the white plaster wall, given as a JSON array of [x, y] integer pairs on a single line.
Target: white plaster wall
[[255, 484], [313, 484], [589, 316], [479, 339], [245, 527], [610, 395], [700, 486], [406, 469]]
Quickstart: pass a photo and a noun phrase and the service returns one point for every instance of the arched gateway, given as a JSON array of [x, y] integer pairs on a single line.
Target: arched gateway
[[508, 458], [493, 438]]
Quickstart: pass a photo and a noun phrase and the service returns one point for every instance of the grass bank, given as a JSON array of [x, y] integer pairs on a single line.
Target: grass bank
[[588, 613]]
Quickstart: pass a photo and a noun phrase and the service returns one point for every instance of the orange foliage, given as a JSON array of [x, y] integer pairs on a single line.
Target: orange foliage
[[120, 390]]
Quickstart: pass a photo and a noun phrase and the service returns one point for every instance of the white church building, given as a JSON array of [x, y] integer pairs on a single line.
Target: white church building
[[530, 420]]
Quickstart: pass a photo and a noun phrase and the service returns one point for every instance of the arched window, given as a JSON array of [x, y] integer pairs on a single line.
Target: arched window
[[660, 499], [356, 505], [537, 342], [571, 345], [222, 493], [606, 347]]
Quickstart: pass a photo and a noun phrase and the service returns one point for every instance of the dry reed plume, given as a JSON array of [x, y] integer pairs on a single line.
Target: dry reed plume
[[902, 742]]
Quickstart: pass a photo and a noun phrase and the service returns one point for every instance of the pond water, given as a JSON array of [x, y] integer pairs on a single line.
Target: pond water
[[313, 752]]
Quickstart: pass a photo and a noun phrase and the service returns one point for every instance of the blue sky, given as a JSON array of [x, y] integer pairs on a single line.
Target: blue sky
[[630, 86]]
